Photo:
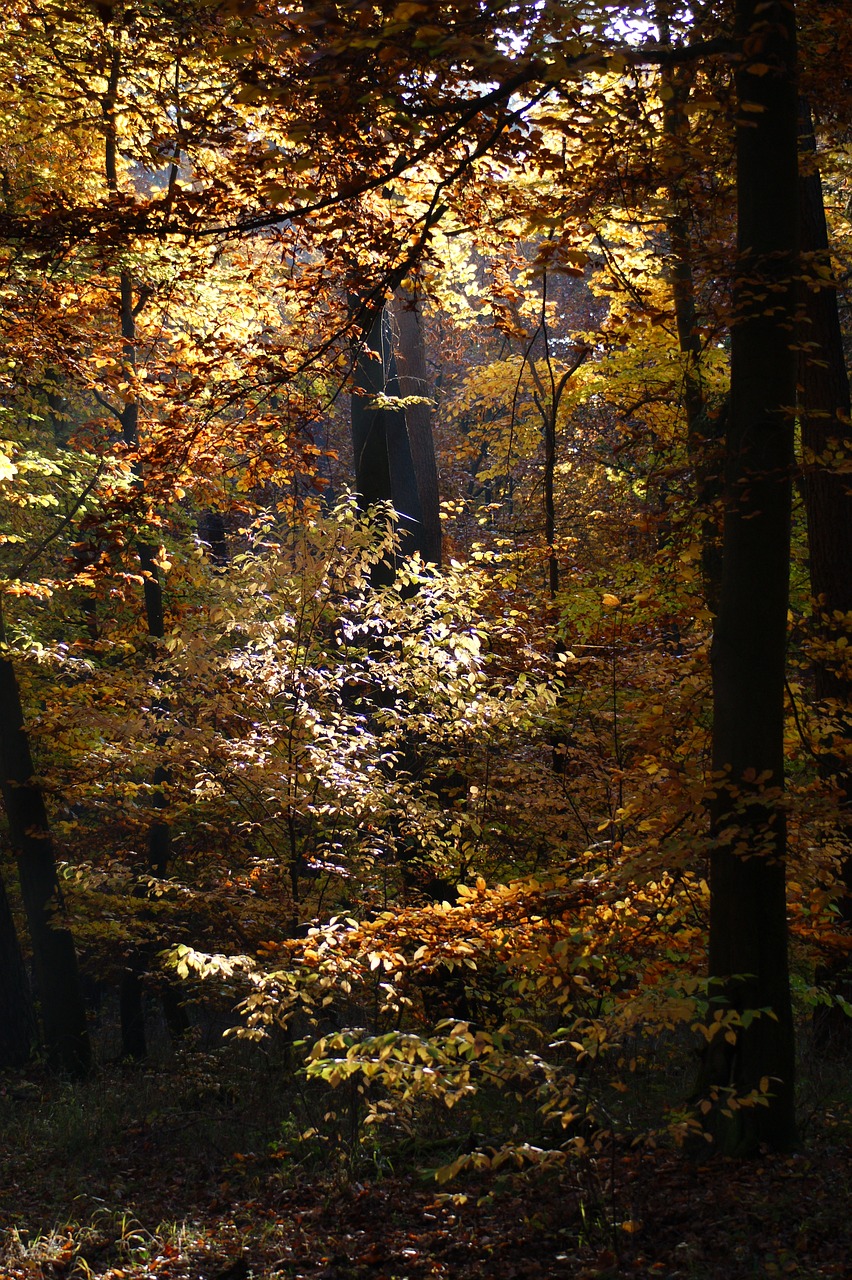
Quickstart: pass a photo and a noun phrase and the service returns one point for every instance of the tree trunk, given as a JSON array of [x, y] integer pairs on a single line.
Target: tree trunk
[[63, 1015], [17, 1016], [703, 431], [395, 462], [159, 831], [748, 927], [824, 404], [547, 400], [211, 531], [376, 433], [824, 412], [413, 380], [131, 1006], [393, 447]]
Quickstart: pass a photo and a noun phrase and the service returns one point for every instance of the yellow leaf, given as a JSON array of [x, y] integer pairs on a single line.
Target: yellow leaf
[[610, 601]]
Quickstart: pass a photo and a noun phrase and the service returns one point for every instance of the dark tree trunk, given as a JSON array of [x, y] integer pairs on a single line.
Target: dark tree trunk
[[824, 412], [395, 462], [748, 926], [824, 405], [131, 1006], [133, 1043], [413, 380], [393, 447], [63, 1015], [17, 1016], [211, 531], [384, 470], [703, 431]]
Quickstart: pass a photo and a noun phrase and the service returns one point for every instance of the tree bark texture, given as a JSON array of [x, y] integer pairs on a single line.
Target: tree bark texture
[[748, 926], [824, 409], [393, 447], [62, 1010], [413, 380], [17, 1016], [824, 414], [703, 433]]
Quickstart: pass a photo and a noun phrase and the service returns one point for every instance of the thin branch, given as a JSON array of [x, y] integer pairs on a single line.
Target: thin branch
[[63, 524], [105, 404]]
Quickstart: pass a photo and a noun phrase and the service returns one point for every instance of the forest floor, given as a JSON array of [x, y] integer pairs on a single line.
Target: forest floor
[[185, 1172]]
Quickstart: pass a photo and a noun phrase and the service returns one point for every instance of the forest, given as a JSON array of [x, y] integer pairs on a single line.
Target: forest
[[425, 617]]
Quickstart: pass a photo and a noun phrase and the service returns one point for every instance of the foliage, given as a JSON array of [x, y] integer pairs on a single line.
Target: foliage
[[439, 842]]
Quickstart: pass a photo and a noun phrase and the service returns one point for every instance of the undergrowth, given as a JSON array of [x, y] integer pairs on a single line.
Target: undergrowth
[[232, 1157]]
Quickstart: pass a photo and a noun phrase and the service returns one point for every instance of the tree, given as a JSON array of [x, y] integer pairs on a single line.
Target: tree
[[414, 387], [394, 453], [748, 911], [824, 412], [17, 1016], [63, 1015], [702, 431]]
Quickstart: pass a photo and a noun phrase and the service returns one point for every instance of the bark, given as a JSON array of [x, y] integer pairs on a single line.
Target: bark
[[824, 404], [131, 1007], [824, 413], [703, 431], [17, 1015], [211, 531], [748, 928], [547, 401], [393, 447], [63, 1015], [384, 470], [413, 380]]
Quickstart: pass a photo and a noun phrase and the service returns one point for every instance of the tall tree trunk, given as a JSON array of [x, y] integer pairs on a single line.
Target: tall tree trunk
[[547, 399], [413, 380], [703, 432], [395, 463], [159, 831], [384, 469], [17, 1016], [824, 413], [63, 1015], [748, 926], [393, 446]]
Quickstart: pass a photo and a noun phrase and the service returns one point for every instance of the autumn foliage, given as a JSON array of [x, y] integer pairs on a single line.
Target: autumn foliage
[[440, 835]]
